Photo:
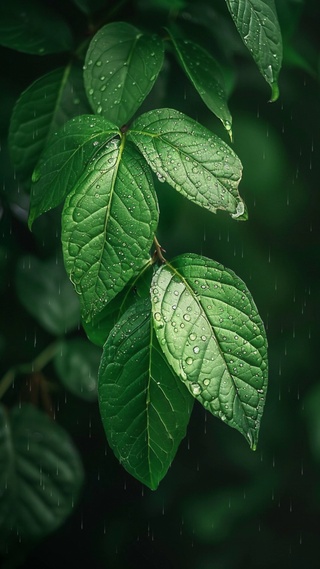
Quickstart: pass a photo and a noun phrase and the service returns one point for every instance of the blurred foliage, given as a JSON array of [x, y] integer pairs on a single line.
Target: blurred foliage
[[220, 506]]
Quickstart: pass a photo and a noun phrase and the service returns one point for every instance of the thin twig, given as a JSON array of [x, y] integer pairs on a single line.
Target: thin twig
[[32, 367]]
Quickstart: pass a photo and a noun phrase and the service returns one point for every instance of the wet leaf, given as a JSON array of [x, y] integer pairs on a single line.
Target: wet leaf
[[99, 328], [144, 408], [76, 364], [41, 109], [213, 337], [121, 67], [65, 157], [206, 76], [108, 225], [191, 159], [41, 473], [258, 26], [33, 27], [45, 291]]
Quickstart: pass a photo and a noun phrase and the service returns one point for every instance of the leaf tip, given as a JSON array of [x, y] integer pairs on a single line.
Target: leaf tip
[[251, 437], [274, 92], [228, 126], [241, 213], [30, 221]]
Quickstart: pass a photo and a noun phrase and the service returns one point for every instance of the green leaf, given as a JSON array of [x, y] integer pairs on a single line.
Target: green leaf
[[258, 26], [45, 291], [191, 159], [213, 337], [144, 408], [68, 152], [205, 74], [108, 225], [33, 27], [41, 473], [99, 328], [121, 67], [41, 109], [77, 364]]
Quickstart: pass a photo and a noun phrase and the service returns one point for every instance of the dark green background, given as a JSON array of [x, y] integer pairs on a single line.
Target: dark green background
[[221, 506]]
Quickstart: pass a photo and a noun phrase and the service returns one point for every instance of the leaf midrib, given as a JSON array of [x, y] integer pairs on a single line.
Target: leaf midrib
[[184, 153], [193, 295]]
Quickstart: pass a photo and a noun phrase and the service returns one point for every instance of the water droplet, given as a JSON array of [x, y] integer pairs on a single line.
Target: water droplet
[[192, 337], [157, 316], [206, 382], [196, 349], [186, 317], [160, 177], [189, 361], [195, 388]]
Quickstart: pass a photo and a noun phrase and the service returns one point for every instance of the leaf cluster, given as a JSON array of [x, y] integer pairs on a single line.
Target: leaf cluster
[[171, 331]]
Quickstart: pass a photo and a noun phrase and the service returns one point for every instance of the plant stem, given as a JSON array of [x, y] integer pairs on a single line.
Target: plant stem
[[32, 367], [158, 252]]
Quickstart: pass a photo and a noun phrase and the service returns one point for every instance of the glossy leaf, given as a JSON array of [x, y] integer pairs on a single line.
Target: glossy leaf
[[191, 159], [33, 27], [68, 152], [206, 76], [144, 407], [41, 473], [99, 328], [45, 291], [76, 364], [258, 26], [108, 225], [41, 109], [121, 67], [212, 335]]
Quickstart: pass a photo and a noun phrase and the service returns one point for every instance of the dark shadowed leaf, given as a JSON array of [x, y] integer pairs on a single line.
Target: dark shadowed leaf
[[90, 6], [41, 109], [33, 27], [100, 326], [41, 473], [45, 291], [77, 363]]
